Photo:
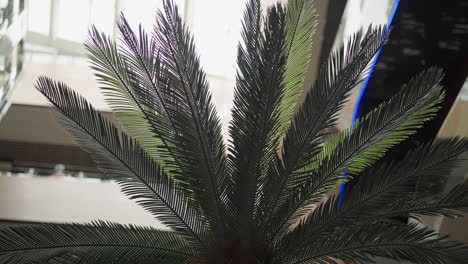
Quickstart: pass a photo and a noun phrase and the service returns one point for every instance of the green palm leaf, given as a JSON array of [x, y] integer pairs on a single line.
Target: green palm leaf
[[300, 27], [400, 242], [136, 105], [255, 117], [341, 73], [433, 205], [362, 144], [394, 121], [388, 190], [304, 138], [200, 146], [100, 241], [122, 159], [140, 52], [118, 258]]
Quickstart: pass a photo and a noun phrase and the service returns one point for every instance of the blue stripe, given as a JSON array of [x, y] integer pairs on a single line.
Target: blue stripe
[[364, 87]]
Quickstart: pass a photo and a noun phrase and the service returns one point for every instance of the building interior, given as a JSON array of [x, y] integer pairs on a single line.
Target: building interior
[[45, 177]]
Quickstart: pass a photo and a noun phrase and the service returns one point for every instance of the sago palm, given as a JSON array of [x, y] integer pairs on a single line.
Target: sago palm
[[261, 199]]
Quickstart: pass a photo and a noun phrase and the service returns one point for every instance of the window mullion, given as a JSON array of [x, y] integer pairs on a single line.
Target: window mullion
[[54, 20], [90, 12], [117, 9]]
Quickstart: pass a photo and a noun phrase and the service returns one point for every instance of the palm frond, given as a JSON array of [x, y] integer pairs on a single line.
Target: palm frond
[[342, 72], [433, 205], [100, 241], [432, 162], [303, 140], [251, 34], [388, 190], [362, 144], [75, 258], [391, 190], [123, 160], [141, 54], [301, 22], [255, 117], [390, 123], [136, 105], [359, 243], [200, 146]]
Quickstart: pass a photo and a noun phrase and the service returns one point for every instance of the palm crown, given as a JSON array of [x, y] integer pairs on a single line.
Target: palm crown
[[252, 201]]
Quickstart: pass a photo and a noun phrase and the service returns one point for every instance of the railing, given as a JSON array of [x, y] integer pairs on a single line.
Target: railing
[[45, 172]]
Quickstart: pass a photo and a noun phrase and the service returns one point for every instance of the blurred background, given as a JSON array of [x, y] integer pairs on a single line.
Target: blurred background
[[45, 177]]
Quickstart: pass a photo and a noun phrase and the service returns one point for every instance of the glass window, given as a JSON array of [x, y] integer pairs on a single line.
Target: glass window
[[73, 20], [144, 12], [217, 33], [39, 16], [102, 15]]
